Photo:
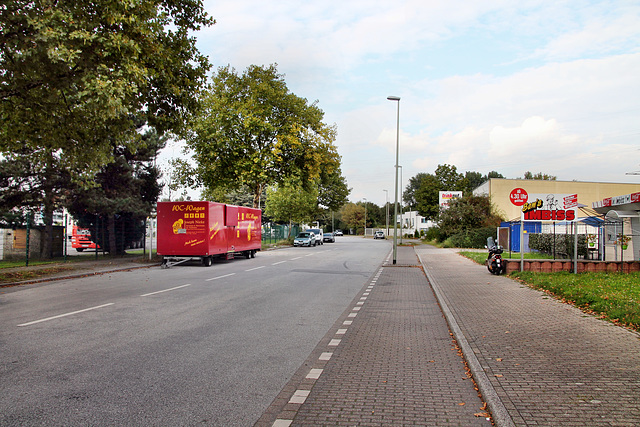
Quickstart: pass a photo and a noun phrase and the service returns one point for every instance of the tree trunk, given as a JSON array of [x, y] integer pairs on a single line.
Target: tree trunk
[[257, 192], [47, 243], [112, 235]]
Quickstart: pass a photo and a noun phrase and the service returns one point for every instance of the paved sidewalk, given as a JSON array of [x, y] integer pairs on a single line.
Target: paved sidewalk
[[390, 360], [549, 364]]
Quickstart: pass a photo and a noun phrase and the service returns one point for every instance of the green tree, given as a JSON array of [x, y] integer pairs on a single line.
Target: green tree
[[475, 179], [467, 213], [333, 191], [252, 131], [290, 202], [409, 194], [76, 73], [446, 178], [126, 192], [353, 215], [539, 176], [33, 180]]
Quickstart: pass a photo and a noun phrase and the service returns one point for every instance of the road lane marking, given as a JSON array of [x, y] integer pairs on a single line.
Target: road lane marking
[[65, 314], [325, 356], [293, 259], [334, 342], [279, 262], [309, 254], [220, 277], [255, 268], [166, 290]]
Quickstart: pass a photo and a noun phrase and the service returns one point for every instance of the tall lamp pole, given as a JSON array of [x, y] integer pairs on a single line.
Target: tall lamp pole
[[395, 206], [401, 206], [387, 207], [364, 233]]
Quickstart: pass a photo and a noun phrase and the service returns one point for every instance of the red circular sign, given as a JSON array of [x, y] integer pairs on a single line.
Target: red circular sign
[[518, 196]]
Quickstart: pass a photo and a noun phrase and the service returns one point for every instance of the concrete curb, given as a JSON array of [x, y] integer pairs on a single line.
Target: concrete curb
[[498, 411]]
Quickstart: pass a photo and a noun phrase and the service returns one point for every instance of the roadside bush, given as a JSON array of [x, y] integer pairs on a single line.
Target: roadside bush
[[562, 243], [433, 233], [474, 238]]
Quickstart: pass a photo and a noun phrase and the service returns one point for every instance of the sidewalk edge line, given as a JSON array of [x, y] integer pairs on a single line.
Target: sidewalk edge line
[[499, 412]]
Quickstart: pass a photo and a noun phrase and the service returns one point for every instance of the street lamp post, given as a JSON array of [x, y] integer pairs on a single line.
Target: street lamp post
[[387, 206], [401, 206], [395, 207], [364, 233]]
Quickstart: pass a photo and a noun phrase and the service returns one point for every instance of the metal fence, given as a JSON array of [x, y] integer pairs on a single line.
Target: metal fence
[[273, 233]]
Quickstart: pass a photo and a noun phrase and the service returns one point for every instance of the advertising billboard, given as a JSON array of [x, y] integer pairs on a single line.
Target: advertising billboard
[[444, 197], [550, 207]]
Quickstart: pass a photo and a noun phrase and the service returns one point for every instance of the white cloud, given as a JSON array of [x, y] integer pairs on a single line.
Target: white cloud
[[554, 87]]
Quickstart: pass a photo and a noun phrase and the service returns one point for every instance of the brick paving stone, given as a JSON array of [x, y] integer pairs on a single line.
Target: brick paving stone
[[549, 363]]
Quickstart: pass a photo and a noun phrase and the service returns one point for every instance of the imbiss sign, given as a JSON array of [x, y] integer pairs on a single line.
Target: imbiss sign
[[550, 207]]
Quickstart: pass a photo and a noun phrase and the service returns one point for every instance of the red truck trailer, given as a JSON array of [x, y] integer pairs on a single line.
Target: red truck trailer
[[207, 230]]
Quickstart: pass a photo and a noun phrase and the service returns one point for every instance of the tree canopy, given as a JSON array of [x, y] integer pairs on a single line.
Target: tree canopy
[[252, 131], [467, 213], [539, 176], [76, 72], [446, 178], [290, 202]]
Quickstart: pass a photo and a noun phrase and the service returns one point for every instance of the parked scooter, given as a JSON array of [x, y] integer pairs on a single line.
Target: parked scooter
[[495, 263]]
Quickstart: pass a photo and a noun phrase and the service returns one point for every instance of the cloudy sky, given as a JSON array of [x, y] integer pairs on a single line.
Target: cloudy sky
[[530, 85]]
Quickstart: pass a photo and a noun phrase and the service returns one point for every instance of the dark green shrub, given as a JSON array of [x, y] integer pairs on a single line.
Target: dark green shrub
[[474, 238], [433, 233], [560, 245]]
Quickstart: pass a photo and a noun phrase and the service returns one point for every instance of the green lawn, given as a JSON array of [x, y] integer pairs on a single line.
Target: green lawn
[[611, 296]]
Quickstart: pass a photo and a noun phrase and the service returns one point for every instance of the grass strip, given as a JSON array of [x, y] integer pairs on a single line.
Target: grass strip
[[610, 296], [27, 274]]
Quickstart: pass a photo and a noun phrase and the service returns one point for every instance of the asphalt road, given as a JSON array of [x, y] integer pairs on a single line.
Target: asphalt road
[[188, 345]]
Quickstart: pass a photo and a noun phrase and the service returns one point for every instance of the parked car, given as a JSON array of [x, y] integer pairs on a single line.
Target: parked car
[[379, 235], [328, 237], [318, 233], [337, 233], [305, 238]]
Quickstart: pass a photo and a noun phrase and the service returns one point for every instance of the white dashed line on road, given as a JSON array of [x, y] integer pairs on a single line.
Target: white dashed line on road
[[219, 277], [65, 314], [166, 290]]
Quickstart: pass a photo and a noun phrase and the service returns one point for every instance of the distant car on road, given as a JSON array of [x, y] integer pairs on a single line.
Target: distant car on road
[[337, 233], [305, 238], [379, 235], [328, 237]]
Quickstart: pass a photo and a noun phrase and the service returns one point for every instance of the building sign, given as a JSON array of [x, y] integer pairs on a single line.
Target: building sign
[[446, 196], [550, 207], [518, 196], [618, 200]]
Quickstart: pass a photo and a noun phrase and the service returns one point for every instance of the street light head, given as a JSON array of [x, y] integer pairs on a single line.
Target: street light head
[[393, 98]]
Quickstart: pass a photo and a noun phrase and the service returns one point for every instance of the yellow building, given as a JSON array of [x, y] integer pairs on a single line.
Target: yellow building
[[499, 191]]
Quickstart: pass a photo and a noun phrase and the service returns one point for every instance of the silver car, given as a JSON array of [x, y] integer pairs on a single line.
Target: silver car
[[305, 238]]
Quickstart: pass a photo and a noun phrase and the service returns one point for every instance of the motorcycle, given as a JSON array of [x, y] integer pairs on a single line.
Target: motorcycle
[[495, 263]]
